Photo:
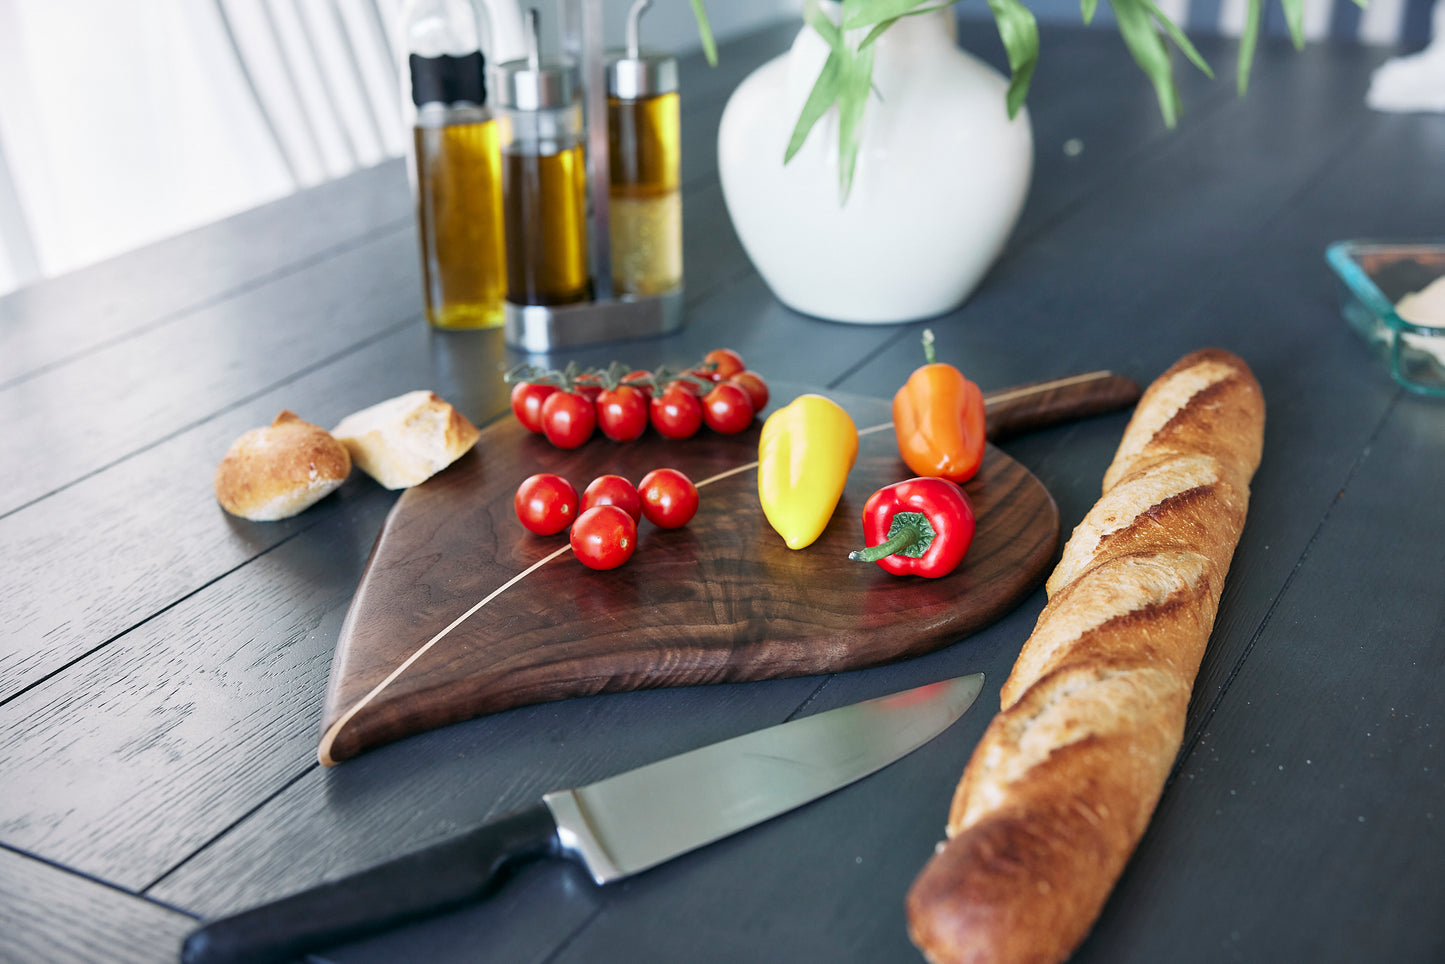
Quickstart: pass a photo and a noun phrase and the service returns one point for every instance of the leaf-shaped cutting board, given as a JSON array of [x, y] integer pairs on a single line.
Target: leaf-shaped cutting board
[[462, 612]]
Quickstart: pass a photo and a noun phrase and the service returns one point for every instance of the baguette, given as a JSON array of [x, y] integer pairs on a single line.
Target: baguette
[[1060, 789]]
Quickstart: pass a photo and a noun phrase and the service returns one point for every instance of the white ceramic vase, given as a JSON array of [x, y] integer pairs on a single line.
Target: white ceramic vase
[[940, 180]]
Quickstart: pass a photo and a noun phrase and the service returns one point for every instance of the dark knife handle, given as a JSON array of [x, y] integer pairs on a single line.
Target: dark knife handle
[[1015, 411], [443, 876]]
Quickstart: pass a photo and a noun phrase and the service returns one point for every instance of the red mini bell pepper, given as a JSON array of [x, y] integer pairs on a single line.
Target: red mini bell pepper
[[938, 417], [920, 527]]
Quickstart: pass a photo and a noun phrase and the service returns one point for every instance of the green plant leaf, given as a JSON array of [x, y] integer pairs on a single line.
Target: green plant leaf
[[863, 13], [1180, 41], [704, 32], [1143, 41], [814, 17], [1248, 39], [1294, 18], [878, 30], [1020, 35], [1086, 9], [853, 94], [820, 98]]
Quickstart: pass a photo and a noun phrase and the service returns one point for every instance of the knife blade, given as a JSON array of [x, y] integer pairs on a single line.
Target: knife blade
[[614, 828]]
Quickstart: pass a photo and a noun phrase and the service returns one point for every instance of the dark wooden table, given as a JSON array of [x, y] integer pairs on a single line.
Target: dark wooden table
[[163, 665]]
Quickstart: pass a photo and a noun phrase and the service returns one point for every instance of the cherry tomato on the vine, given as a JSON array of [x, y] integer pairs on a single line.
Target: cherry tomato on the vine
[[757, 389], [545, 504], [604, 537], [527, 399], [588, 384], [723, 362], [727, 409], [613, 490], [568, 419], [676, 413], [622, 413], [669, 499]]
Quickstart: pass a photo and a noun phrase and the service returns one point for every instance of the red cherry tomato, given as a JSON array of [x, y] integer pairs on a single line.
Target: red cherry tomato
[[753, 384], [546, 504], [604, 537], [727, 409], [622, 413], [669, 499], [676, 413], [640, 378], [589, 385], [613, 490], [527, 399], [568, 419], [723, 362]]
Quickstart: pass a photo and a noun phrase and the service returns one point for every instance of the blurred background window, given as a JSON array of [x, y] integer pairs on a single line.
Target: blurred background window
[[126, 121]]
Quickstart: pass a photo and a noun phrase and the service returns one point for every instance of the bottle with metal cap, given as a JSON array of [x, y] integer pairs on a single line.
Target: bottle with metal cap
[[644, 156], [544, 177], [456, 166]]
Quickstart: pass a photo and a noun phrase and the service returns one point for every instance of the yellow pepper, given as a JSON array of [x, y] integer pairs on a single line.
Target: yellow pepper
[[804, 455]]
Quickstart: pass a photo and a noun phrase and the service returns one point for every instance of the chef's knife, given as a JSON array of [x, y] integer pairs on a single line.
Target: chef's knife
[[614, 828]]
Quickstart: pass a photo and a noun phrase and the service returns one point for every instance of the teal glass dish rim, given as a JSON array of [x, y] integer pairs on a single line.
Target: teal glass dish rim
[[1418, 370]]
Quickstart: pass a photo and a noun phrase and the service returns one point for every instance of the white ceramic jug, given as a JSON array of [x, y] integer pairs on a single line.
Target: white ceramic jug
[[941, 177]]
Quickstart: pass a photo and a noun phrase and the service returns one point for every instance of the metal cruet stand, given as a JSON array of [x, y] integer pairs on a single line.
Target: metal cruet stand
[[540, 329]]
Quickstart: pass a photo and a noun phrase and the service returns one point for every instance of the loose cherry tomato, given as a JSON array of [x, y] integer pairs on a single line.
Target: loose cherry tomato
[[604, 537], [568, 419], [727, 409], [527, 399], [546, 504], [669, 499], [622, 413], [613, 490], [723, 362], [757, 389], [676, 413]]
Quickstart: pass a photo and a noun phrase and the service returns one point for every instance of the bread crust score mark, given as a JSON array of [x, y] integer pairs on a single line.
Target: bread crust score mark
[[1061, 788]]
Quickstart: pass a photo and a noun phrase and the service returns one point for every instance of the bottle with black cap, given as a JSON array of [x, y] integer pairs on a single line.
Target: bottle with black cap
[[645, 210], [456, 174], [544, 177]]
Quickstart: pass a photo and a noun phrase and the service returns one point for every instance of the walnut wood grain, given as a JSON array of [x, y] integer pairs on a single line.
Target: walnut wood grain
[[720, 600]]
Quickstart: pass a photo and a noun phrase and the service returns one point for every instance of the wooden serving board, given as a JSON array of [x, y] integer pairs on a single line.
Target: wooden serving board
[[461, 612]]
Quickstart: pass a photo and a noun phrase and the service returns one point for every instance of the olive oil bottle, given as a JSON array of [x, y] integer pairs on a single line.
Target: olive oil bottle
[[644, 160], [459, 220], [544, 179], [455, 168]]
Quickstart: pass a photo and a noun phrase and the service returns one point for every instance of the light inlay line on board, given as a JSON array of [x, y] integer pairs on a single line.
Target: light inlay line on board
[[324, 751]]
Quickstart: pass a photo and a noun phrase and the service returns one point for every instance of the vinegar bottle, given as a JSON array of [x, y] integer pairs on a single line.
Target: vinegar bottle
[[645, 199], [544, 178], [456, 167]]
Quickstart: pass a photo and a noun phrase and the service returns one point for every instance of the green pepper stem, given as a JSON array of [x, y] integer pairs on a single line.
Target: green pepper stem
[[903, 536], [929, 354]]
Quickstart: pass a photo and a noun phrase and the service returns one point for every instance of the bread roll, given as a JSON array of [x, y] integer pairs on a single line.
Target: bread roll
[[1062, 785], [275, 472], [406, 440]]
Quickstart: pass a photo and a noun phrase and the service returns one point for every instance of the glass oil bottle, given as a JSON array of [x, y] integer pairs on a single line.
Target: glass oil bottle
[[644, 157], [544, 178], [456, 167]]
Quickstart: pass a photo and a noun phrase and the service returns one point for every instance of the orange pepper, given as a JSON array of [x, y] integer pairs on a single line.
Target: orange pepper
[[938, 418]]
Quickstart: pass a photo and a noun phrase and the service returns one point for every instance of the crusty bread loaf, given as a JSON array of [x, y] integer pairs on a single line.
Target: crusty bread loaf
[[1062, 785], [404, 441], [275, 472]]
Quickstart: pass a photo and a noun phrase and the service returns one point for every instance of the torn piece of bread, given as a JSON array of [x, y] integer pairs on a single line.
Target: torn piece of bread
[[1060, 789], [275, 472], [404, 441]]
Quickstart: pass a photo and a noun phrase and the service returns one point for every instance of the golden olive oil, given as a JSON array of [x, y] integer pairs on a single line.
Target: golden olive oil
[[545, 198], [645, 211], [459, 217]]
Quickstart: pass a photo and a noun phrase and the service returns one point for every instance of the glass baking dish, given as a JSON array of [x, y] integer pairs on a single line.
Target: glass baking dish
[[1374, 277]]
